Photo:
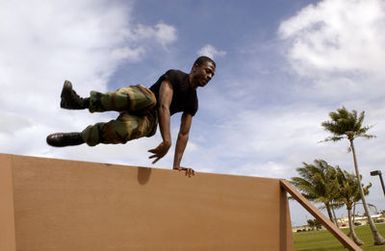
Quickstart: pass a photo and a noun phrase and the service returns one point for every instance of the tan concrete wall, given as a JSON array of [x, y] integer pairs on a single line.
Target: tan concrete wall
[[7, 219], [70, 205]]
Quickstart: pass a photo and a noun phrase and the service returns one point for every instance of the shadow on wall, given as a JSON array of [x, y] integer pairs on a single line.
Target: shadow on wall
[[143, 175]]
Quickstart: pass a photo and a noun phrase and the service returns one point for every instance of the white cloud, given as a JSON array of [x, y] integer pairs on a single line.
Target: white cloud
[[273, 142], [129, 54], [163, 33], [210, 51], [336, 49], [337, 36]]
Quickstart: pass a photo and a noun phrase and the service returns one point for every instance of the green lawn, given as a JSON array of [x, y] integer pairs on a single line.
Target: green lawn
[[323, 240]]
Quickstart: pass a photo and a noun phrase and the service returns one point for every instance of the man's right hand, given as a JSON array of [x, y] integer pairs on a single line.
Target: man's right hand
[[188, 171], [159, 151]]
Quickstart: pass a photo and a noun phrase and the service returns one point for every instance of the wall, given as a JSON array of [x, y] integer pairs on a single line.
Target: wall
[[72, 205]]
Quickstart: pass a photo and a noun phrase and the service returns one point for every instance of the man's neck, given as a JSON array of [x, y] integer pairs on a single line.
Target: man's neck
[[190, 82]]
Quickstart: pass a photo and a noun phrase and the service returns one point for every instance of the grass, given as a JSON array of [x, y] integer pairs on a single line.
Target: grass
[[323, 240]]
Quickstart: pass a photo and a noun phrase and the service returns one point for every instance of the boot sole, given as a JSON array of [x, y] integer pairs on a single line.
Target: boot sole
[[66, 91]]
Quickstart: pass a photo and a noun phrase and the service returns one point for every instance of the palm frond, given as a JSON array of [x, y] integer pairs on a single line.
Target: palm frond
[[333, 138]]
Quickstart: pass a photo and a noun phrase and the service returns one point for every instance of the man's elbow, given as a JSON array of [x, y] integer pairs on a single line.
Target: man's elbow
[[163, 108], [183, 134]]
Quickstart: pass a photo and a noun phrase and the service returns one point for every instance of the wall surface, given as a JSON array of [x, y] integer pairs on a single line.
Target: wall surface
[[7, 218], [71, 205]]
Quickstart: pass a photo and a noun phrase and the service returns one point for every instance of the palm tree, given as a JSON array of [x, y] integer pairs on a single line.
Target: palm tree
[[317, 182], [349, 193], [349, 125]]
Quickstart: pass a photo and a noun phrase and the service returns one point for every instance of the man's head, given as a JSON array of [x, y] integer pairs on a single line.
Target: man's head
[[202, 71]]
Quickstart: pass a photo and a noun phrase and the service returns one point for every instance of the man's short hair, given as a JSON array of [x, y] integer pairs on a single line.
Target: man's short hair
[[204, 59]]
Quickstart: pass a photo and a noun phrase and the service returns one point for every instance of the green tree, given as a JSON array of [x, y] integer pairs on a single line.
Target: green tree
[[317, 182], [349, 125], [311, 224], [317, 224], [349, 193], [314, 224]]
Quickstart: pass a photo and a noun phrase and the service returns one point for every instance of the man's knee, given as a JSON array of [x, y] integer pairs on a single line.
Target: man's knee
[[93, 135], [148, 96]]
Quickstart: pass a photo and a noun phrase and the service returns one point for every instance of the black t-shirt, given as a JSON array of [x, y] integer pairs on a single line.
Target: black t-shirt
[[184, 97]]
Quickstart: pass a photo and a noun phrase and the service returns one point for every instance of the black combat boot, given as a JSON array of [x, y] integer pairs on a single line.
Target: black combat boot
[[65, 139], [71, 100]]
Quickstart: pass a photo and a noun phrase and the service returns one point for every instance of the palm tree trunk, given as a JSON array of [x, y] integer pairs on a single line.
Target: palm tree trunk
[[378, 239], [352, 232], [327, 205], [334, 216], [354, 211]]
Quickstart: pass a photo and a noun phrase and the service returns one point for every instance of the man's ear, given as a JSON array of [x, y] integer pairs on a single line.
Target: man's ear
[[195, 66]]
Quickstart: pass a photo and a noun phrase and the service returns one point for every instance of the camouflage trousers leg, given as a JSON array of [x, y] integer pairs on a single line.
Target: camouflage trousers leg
[[138, 116], [133, 99]]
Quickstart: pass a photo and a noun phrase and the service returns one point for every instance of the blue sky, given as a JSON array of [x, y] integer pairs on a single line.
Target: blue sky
[[282, 66]]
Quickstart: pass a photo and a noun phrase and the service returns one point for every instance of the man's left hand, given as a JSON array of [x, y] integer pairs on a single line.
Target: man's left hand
[[159, 151]]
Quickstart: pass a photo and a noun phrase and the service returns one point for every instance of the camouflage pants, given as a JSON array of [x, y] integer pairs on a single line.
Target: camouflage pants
[[137, 118]]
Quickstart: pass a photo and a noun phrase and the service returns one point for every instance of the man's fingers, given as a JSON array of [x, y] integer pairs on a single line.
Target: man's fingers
[[153, 156], [187, 171], [157, 155], [191, 172], [156, 160], [152, 150]]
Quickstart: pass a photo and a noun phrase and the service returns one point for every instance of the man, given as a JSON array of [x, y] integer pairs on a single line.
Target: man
[[141, 110]]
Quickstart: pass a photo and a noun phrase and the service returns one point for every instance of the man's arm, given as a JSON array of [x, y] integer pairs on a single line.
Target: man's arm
[[165, 98], [181, 143]]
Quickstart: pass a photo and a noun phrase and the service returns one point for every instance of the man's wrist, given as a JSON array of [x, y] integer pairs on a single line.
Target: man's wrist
[[176, 167], [167, 143]]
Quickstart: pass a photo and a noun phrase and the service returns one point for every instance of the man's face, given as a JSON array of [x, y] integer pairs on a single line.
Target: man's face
[[202, 74]]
